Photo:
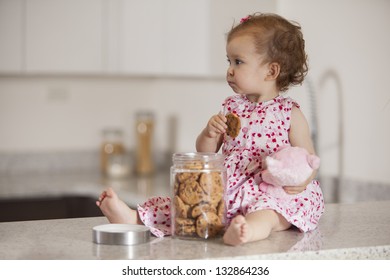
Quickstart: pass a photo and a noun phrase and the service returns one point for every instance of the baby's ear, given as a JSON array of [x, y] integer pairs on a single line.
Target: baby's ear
[[273, 71], [314, 161]]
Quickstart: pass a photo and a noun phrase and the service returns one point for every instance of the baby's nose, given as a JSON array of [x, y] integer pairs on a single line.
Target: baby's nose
[[230, 71]]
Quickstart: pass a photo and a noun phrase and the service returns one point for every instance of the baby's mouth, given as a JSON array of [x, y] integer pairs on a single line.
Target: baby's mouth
[[232, 84]]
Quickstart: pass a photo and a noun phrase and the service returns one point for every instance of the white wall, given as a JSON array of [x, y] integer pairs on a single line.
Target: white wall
[[349, 38], [59, 113]]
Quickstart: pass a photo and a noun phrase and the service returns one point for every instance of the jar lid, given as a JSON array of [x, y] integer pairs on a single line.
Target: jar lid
[[120, 234]]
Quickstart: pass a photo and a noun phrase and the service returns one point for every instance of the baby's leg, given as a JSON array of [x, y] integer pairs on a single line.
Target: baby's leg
[[116, 211], [254, 226]]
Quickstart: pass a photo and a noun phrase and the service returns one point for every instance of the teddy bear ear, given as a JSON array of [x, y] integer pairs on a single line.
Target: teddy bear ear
[[314, 161], [272, 163]]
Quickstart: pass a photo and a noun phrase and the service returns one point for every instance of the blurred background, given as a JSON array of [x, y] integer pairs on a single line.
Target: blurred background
[[71, 69]]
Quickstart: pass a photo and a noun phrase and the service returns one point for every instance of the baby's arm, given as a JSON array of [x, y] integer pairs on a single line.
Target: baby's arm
[[210, 139], [299, 136]]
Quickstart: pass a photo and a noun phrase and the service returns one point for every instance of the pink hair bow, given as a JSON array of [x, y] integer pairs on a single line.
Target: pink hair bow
[[244, 19]]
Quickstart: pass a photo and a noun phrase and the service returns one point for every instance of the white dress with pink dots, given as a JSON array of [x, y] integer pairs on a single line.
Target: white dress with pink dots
[[264, 129]]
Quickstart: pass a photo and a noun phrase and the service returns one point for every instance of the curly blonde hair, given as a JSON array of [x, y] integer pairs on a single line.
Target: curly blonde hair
[[281, 41]]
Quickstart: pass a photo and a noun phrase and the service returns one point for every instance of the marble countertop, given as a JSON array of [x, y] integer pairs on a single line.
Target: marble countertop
[[346, 231]]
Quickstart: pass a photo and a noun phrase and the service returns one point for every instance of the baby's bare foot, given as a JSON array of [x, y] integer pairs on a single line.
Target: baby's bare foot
[[116, 211], [237, 233]]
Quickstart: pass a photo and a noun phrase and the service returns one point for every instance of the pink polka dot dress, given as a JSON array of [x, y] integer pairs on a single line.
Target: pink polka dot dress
[[264, 129]]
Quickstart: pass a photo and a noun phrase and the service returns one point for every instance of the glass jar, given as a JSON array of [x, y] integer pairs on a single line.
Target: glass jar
[[112, 145], [144, 132], [198, 183], [118, 166]]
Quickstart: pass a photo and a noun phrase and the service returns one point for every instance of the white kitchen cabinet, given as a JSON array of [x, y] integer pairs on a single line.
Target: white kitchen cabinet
[[138, 36], [157, 37], [177, 37], [119, 37], [11, 36], [64, 36], [186, 39]]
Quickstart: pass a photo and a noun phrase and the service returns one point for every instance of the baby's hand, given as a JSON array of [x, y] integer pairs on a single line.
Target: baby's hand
[[216, 126], [294, 189], [301, 187]]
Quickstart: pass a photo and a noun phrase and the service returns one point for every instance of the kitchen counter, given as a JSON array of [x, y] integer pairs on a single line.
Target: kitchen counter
[[346, 231]]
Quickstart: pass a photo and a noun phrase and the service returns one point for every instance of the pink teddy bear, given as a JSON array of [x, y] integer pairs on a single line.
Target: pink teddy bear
[[289, 166]]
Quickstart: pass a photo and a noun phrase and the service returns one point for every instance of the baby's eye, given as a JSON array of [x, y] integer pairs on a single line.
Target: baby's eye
[[235, 61]]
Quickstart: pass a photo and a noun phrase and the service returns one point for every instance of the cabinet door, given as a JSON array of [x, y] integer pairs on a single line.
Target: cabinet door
[[11, 35], [140, 35], [186, 41], [64, 36], [163, 37]]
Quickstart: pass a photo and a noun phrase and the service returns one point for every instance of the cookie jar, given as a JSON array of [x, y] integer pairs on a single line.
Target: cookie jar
[[198, 183]]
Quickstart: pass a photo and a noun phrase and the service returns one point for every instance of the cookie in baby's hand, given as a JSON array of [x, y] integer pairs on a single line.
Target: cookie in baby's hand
[[234, 125]]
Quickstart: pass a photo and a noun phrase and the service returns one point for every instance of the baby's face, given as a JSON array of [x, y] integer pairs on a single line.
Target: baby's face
[[247, 71]]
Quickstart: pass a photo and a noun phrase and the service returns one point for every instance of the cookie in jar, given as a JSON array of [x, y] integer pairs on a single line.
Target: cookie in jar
[[198, 183]]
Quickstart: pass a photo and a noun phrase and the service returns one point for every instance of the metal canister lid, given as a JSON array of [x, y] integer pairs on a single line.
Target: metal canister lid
[[120, 234]]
